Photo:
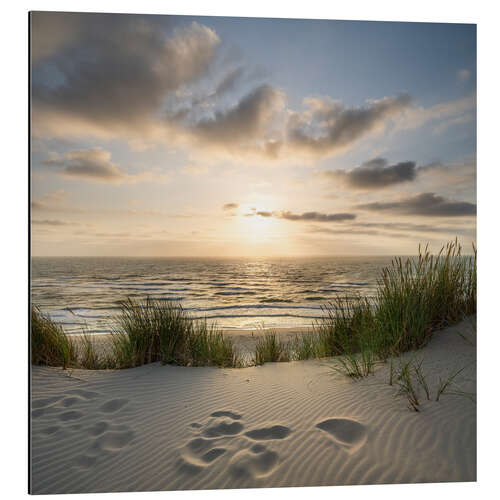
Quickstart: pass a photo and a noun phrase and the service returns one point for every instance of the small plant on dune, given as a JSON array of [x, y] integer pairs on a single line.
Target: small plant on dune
[[445, 384], [89, 356], [419, 374], [405, 384], [206, 345], [355, 365], [270, 348], [305, 346], [391, 372], [410, 373], [49, 344]]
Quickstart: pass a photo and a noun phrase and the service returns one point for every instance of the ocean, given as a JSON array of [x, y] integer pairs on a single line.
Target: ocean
[[83, 294]]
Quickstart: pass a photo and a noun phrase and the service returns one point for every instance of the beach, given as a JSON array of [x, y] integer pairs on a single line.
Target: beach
[[297, 423]]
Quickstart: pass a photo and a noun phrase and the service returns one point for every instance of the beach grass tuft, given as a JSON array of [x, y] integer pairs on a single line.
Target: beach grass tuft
[[406, 387], [415, 297], [50, 346], [270, 348], [91, 357], [418, 296], [155, 330]]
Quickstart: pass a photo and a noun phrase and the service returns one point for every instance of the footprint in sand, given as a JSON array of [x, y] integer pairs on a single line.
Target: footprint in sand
[[44, 402], [49, 431], [202, 451], [72, 400], [253, 461], [108, 440], [84, 394], [223, 428], [225, 413], [346, 432], [113, 405], [98, 428], [267, 433], [37, 413], [113, 440], [256, 462], [70, 415]]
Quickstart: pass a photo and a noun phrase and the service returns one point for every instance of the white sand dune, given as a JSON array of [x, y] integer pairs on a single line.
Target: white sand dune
[[282, 424]]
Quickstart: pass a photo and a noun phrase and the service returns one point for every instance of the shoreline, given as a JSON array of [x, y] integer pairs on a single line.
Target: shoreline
[[244, 340]]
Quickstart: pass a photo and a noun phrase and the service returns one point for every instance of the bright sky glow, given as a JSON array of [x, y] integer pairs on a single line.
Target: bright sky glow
[[184, 136]]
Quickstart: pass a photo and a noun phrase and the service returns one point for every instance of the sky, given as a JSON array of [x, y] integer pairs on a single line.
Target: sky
[[226, 137]]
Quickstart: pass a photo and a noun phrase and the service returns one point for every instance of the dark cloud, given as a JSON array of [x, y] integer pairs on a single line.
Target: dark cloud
[[350, 230], [52, 223], [419, 228], [112, 70], [230, 206], [327, 126], [95, 165], [427, 204], [317, 217], [375, 174], [135, 77], [248, 120], [307, 216]]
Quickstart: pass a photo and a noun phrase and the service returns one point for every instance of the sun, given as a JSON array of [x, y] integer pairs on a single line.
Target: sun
[[257, 224]]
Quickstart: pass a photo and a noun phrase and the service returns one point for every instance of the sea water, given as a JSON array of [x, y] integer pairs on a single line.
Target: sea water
[[83, 294]]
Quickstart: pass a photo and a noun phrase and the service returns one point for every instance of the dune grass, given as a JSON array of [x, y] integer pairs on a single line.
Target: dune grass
[[146, 332], [49, 345], [270, 348], [415, 297], [155, 330], [91, 357], [418, 296]]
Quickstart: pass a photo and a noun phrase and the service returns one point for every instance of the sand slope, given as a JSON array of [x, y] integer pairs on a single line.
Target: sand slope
[[281, 424]]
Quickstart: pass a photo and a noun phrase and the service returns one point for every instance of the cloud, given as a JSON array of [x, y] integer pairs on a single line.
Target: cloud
[[394, 229], [228, 83], [230, 206], [419, 228], [317, 217], [48, 222], [459, 120], [375, 174], [326, 126], [95, 165], [460, 173], [418, 116], [113, 72], [427, 204], [134, 77], [50, 201], [246, 123], [306, 216], [463, 75], [349, 230]]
